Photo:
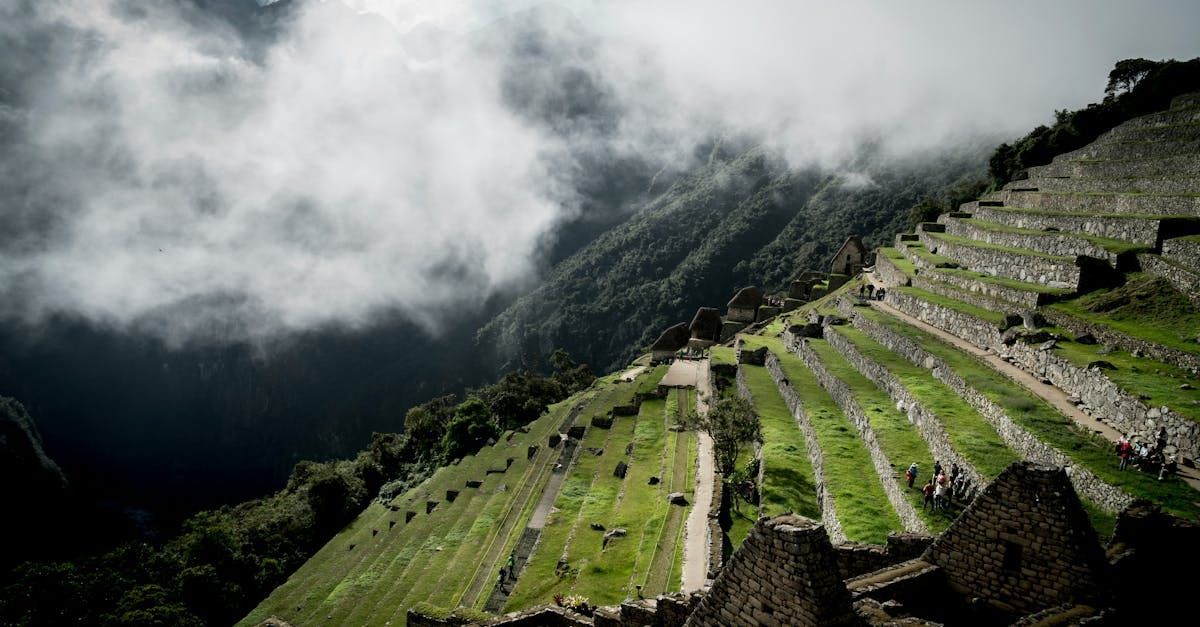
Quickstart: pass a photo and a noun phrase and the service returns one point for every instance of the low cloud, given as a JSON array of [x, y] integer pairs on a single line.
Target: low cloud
[[162, 170]]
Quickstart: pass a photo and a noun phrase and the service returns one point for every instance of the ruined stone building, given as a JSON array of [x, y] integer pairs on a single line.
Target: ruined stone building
[[674, 339], [743, 307], [850, 258], [706, 326]]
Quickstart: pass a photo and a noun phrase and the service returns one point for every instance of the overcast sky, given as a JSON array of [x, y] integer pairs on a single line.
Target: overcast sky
[[161, 171]]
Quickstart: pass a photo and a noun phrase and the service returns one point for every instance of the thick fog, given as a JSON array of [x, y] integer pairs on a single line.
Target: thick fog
[[238, 174]]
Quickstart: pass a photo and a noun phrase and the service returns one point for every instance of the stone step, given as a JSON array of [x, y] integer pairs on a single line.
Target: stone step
[[1183, 251], [1062, 244], [962, 320], [1174, 132], [1108, 185], [1179, 166], [1122, 148], [1185, 114], [936, 282], [1018, 295], [1131, 228], [1184, 101], [1156, 204], [1183, 278], [1015, 263]]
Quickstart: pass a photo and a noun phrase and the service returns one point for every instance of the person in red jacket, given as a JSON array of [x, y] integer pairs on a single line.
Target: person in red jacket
[[1124, 451]]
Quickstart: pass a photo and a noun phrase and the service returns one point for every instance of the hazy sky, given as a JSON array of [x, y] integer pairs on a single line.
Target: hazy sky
[[164, 171]]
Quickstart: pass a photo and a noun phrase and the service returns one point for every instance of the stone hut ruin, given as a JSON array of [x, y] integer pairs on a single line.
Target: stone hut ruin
[[850, 258], [743, 307], [675, 338], [706, 325]]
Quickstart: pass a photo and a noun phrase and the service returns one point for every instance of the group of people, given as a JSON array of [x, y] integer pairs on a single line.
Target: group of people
[[868, 291], [1144, 457], [941, 489]]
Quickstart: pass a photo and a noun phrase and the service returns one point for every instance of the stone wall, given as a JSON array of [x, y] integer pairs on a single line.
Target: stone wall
[[1106, 400], [974, 330], [926, 422], [1024, 544], [716, 535], [670, 610], [1050, 271], [1059, 244], [1103, 203], [944, 288], [1111, 337], [815, 456], [844, 397], [785, 573], [1143, 185], [886, 273], [1026, 299], [1177, 167], [1136, 230], [1184, 252], [856, 559], [1104, 495], [1184, 280]]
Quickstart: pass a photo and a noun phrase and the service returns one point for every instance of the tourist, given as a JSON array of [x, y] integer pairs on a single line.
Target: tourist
[[911, 473], [927, 491], [1124, 451], [1162, 440], [879, 293], [870, 291], [862, 289], [937, 468], [939, 496]]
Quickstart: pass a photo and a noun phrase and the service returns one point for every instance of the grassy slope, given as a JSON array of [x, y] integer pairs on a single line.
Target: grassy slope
[[1042, 420], [862, 506], [788, 484], [969, 434], [1145, 307], [898, 439]]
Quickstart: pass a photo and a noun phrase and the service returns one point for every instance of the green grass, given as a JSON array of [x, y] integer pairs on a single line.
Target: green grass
[[1046, 423], [901, 262], [647, 382], [788, 484], [862, 506], [722, 355], [358, 582], [969, 433], [992, 317], [898, 438], [1114, 246], [1155, 382], [919, 251], [1146, 307]]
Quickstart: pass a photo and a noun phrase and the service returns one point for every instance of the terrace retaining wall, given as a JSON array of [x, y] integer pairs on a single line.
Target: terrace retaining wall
[[1106, 496], [815, 456], [1183, 280], [1050, 271], [844, 397], [1136, 230], [967, 327], [1059, 244], [1111, 337], [926, 422]]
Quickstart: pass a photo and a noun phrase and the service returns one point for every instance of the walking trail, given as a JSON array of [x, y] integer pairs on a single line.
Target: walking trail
[[1047, 392], [695, 544]]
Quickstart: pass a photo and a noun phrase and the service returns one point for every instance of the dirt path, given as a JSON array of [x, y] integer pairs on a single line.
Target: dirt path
[[695, 544], [1047, 392], [632, 373]]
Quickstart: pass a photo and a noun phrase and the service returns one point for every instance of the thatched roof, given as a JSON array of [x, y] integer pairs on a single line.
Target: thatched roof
[[706, 324], [673, 339], [747, 297]]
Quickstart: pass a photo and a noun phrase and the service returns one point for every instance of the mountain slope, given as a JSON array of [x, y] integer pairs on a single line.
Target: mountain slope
[[742, 218]]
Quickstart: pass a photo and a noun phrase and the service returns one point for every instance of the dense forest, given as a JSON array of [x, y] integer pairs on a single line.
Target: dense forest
[[224, 561]]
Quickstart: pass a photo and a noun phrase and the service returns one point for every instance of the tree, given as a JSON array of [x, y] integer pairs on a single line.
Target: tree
[[573, 377], [469, 429], [730, 423], [1127, 73]]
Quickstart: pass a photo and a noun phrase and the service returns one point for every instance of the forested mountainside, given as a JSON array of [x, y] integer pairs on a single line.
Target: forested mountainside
[[743, 217]]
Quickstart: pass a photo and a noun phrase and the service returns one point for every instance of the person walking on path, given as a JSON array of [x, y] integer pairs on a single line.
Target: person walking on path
[[911, 474], [1124, 451], [927, 491]]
